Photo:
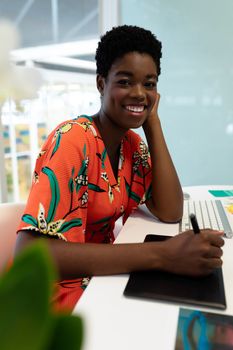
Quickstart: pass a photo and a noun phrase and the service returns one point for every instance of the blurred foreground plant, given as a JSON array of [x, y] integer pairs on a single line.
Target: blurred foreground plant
[[26, 319]]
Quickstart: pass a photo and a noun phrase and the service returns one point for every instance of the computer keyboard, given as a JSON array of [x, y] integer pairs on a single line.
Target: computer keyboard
[[209, 213]]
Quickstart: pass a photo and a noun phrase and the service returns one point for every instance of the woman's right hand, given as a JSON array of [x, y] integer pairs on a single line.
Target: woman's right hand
[[193, 254]]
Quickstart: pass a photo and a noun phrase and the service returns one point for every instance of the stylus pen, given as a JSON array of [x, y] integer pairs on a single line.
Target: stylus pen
[[194, 223]]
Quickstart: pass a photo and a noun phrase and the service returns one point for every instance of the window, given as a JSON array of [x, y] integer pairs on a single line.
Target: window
[[46, 22], [26, 126], [68, 31]]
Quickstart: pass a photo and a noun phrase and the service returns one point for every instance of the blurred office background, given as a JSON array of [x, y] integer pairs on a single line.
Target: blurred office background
[[59, 37]]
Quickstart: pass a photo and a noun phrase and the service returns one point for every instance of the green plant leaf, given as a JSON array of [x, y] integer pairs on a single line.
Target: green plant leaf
[[57, 144], [95, 188], [29, 219], [103, 157], [138, 172], [104, 227], [67, 334], [83, 169], [85, 116], [69, 224], [26, 322], [55, 193], [25, 291], [106, 219], [71, 185], [84, 150], [132, 194], [149, 192]]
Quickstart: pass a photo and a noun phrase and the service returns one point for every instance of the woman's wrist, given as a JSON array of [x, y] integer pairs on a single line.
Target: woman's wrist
[[155, 254], [151, 123]]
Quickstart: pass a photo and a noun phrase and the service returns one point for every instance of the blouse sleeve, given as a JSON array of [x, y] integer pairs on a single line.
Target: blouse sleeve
[[57, 203]]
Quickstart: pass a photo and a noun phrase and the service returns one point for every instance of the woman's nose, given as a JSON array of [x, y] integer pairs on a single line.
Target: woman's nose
[[137, 91]]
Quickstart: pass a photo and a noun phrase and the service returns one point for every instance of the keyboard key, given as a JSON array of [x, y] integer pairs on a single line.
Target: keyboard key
[[209, 214]]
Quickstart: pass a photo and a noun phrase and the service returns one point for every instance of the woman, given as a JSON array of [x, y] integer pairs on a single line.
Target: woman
[[92, 170]]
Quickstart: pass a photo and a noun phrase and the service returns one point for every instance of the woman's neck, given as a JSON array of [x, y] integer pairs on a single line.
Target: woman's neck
[[110, 133]]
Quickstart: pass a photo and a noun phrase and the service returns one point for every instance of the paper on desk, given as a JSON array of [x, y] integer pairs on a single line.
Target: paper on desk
[[221, 193], [228, 205], [227, 198]]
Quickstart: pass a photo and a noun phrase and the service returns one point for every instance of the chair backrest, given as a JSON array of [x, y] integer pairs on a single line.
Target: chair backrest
[[10, 214]]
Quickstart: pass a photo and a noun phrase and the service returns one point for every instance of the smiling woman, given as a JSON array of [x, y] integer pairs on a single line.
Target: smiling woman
[[130, 91], [92, 170]]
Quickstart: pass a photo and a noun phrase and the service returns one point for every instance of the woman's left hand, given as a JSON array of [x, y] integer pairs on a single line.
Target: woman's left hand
[[154, 111]]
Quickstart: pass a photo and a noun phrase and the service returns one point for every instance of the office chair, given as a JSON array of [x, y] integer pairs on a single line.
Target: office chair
[[10, 214]]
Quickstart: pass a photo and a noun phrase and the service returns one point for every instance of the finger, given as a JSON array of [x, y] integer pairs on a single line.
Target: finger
[[214, 252], [157, 99], [213, 263], [215, 232], [218, 233], [215, 239]]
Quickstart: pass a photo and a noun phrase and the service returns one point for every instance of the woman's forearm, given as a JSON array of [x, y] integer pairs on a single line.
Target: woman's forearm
[[185, 253], [167, 197], [74, 260]]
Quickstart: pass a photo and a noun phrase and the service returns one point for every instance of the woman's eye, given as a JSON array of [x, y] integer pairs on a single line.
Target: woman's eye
[[150, 85], [124, 82]]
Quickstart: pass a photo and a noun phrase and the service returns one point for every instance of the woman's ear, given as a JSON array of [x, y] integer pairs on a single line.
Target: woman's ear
[[100, 84]]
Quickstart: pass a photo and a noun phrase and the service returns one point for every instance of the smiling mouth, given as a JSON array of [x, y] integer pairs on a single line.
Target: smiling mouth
[[135, 109]]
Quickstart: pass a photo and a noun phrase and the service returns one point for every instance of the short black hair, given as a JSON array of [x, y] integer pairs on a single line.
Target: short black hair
[[121, 40]]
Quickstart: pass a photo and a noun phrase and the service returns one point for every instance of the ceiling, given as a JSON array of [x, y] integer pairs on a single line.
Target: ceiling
[[54, 28], [43, 22]]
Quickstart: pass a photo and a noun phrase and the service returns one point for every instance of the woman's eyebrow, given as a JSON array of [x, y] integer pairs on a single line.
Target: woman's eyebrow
[[124, 72], [152, 76], [130, 74]]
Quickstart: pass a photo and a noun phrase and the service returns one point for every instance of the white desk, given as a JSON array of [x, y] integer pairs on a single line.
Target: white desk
[[114, 322]]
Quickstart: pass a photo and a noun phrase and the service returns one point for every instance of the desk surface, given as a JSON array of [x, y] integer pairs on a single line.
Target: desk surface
[[115, 322]]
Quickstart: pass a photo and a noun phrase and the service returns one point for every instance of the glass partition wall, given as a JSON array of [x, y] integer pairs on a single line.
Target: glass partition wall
[[196, 83]]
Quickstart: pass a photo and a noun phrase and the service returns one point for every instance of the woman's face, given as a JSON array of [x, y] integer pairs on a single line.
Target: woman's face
[[129, 91]]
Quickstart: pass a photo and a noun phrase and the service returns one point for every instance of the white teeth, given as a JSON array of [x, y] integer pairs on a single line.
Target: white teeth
[[135, 108]]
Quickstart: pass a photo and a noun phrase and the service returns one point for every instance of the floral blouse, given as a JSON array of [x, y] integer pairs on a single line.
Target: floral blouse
[[75, 195]]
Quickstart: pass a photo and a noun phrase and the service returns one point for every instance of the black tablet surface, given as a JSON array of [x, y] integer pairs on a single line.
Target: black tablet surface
[[205, 291]]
